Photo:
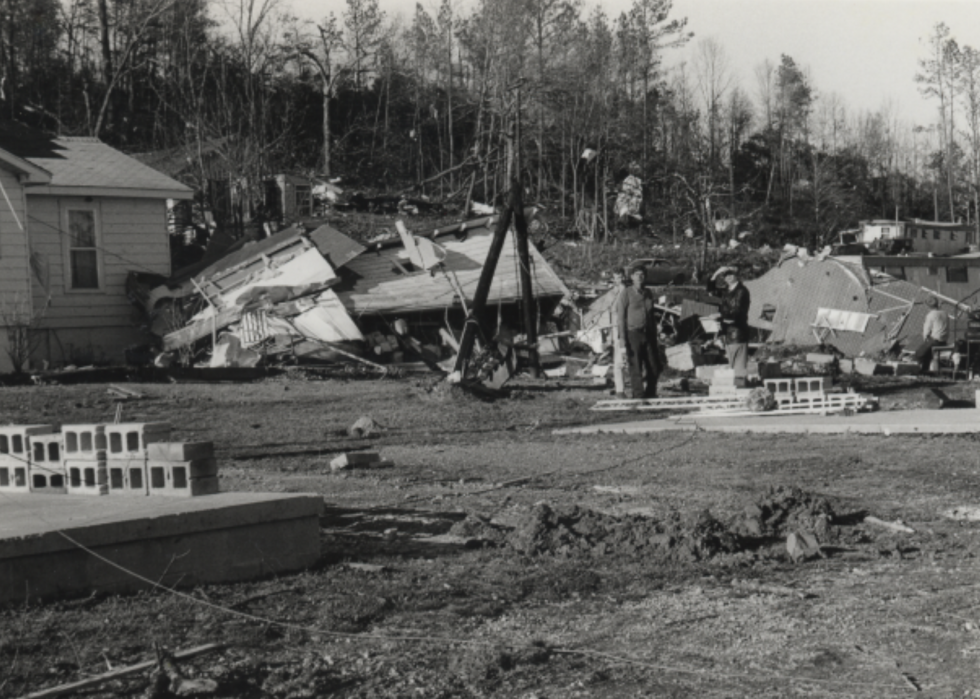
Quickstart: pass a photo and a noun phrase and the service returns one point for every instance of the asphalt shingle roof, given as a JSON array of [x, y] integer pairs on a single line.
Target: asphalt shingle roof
[[82, 162]]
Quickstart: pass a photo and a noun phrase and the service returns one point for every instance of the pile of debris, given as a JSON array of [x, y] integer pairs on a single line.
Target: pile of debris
[[294, 297]]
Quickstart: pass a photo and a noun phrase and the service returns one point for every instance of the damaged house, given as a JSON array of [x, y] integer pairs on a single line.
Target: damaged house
[[320, 295], [858, 311], [77, 216]]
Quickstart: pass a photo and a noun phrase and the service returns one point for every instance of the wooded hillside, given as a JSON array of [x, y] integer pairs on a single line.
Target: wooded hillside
[[454, 102]]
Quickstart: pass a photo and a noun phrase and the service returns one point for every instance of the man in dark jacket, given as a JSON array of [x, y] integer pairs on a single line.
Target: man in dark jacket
[[734, 312], [634, 314]]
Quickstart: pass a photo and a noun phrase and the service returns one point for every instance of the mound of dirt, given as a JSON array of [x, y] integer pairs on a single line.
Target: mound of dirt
[[577, 531], [479, 528], [784, 510]]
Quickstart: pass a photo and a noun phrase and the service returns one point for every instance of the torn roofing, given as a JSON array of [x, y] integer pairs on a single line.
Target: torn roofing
[[798, 288], [335, 246], [373, 283], [85, 162]]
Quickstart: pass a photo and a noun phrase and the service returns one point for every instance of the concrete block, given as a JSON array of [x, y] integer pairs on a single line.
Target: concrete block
[[83, 442], [195, 468], [811, 386], [357, 458], [179, 451], [175, 478], [86, 477], [127, 476], [779, 387], [47, 470], [728, 391], [130, 439], [14, 441], [13, 478]]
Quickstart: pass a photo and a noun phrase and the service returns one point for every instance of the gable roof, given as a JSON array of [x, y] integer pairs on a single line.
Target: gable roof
[[84, 166]]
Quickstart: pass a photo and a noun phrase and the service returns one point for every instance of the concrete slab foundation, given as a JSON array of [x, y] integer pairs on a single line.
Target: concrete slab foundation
[[172, 541], [952, 421]]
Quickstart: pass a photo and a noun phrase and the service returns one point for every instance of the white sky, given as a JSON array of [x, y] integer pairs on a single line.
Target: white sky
[[867, 51]]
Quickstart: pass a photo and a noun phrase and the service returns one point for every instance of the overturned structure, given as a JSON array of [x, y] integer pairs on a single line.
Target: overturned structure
[[828, 301]]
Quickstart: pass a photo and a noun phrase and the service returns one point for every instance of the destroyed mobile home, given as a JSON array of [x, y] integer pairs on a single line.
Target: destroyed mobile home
[[321, 296]]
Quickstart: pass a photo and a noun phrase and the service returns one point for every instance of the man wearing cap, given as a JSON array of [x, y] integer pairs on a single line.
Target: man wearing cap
[[734, 312], [935, 331], [634, 312]]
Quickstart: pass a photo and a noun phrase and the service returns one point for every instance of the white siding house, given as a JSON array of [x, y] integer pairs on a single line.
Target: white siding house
[[88, 216]]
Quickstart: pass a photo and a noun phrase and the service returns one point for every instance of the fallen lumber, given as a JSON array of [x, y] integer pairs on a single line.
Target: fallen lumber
[[894, 526], [72, 687]]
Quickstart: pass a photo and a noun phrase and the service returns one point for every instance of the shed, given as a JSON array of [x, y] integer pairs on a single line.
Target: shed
[[77, 217]]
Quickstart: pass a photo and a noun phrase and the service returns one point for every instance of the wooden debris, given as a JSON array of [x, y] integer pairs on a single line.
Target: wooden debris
[[894, 526], [73, 687]]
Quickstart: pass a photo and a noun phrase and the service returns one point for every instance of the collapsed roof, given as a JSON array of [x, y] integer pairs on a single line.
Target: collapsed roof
[[384, 280]]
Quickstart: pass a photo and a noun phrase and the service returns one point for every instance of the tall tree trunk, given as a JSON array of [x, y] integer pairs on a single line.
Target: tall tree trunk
[[326, 127], [107, 72]]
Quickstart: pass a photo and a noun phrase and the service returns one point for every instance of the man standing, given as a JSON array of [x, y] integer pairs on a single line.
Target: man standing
[[635, 319], [734, 312], [935, 331]]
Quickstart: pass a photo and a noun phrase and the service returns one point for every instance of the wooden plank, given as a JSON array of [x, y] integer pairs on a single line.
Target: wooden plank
[[72, 687]]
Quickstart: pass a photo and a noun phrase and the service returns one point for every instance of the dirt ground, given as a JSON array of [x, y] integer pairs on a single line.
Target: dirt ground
[[496, 559]]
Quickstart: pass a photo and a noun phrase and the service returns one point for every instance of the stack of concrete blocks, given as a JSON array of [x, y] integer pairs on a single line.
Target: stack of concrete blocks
[[811, 388], [84, 453], [127, 444], [800, 390], [15, 456], [47, 466], [781, 389], [182, 468]]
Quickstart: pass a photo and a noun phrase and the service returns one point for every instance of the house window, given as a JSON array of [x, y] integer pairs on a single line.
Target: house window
[[956, 275], [933, 271], [935, 235], [952, 236], [304, 201], [83, 250], [885, 230]]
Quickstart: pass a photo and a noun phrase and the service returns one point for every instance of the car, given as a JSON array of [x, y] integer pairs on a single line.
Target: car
[[660, 272]]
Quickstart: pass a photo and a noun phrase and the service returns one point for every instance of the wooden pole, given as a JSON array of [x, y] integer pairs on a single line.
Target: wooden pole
[[474, 319]]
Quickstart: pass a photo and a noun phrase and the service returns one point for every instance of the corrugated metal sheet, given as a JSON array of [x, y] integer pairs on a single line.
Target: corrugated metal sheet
[[798, 288], [373, 284]]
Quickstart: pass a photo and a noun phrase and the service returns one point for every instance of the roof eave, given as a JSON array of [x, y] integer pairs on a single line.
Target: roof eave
[[116, 192], [34, 173]]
